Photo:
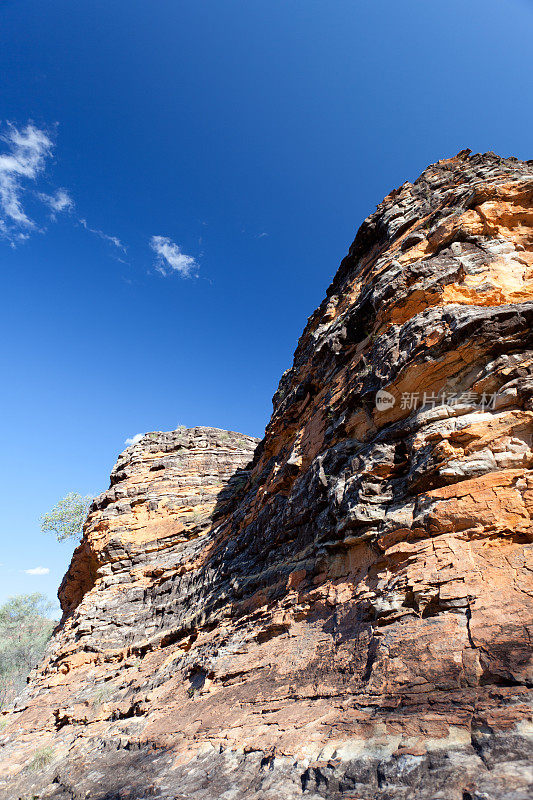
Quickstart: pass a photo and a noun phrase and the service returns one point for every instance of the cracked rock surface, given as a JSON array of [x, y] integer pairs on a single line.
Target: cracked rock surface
[[344, 609]]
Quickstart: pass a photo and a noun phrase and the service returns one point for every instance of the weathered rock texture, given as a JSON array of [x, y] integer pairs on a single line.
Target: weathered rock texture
[[349, 616]]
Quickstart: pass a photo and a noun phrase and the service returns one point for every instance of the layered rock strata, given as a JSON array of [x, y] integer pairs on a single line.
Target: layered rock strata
[[348, 616]]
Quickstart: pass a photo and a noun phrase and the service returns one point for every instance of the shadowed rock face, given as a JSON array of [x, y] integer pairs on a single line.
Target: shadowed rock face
[[347, 616]]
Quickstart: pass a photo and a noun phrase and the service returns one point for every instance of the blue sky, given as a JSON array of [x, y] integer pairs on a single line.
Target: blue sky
[[178, 184]]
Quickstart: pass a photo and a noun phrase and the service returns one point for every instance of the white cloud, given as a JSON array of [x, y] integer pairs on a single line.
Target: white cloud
[[37, 571], [134, 439], [24, 160], [111, 239], [26, 151], [58, 202], [171, 259]]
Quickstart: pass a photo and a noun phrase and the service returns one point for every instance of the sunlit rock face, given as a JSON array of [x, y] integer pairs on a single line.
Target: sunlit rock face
[[348, 616]]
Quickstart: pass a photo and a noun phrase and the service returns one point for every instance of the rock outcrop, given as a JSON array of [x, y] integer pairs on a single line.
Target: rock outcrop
[[348, 615]]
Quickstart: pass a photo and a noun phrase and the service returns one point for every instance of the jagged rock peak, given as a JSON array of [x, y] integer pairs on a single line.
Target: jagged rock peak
[[348, 614]]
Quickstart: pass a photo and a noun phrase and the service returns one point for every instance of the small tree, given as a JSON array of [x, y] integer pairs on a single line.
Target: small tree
[[66, 518], [25, 628]]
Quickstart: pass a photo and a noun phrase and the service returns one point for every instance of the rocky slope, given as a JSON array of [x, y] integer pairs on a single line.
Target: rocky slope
[[348, 616]]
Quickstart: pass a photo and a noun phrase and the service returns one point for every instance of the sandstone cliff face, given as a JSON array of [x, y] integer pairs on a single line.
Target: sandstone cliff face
[[350, 615]]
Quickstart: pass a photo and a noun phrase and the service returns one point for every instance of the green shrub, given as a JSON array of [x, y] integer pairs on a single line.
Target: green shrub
[[41, 759], [25, 628], [66, 518], [102, 694]]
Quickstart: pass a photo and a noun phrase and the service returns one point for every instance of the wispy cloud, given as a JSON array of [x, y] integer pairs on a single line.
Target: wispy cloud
[[37, 571], [134, 439], [111, 239], [24, 160], [26, 151], [170, 258], [59, 202]]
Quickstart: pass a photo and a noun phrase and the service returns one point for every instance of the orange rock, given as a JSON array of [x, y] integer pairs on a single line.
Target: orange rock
[[349, 614]]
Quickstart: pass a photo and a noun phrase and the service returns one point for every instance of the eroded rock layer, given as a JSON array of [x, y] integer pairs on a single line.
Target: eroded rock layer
[[350, 615]]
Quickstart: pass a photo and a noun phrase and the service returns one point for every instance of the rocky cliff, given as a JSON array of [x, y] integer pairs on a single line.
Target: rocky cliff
[[348, 615]]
